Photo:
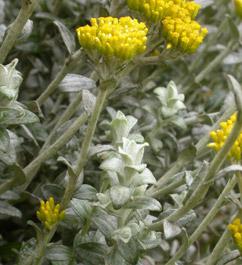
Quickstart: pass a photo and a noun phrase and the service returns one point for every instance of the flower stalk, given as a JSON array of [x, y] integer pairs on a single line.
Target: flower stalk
[[239, 181], [206, 221], [15, 29], [41, 247], [83, 157], [202, 189], [219, 248], [70, 62], [30, 170], [57, 6], [217, 162]]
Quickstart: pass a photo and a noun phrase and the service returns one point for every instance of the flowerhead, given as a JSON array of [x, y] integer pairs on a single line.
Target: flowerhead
[[184, 35], [236, 229], [219, 137], [176, 17], [156, 11], [123, 38], [49, 213]]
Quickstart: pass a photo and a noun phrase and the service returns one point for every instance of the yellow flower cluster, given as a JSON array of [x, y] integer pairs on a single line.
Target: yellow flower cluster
[[49, 213], [236, 229], [123, 38], [185, 35], [156, 10], [180, 29], [219, 137]]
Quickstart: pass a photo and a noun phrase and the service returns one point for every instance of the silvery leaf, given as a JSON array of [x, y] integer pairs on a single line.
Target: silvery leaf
[[27, 30], [16, 114], [99, 149], [124, 234], [10, 80], [67, 36], [112, 164], [9, 156], [76, 83], [82, 208], [104, 200], [170, 230], [4, 140], [88, 101], [2, 31], [150, 240], [179, 198], [86, 192], [106, 223], [233, 58], [132, 152], [145, 177], [59, 253], [204, 3], [120, 195], [188, 178], [171, 101], [145, 203], [137, 137], [121, 126], [7, 210]]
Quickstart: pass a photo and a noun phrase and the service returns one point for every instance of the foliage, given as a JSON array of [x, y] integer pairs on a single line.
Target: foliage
[[142, 187]]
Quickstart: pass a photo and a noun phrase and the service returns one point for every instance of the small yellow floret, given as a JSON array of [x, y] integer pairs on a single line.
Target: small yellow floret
[[49, 213], [123, 38], [236, 230], [219, 137], [184, 35]]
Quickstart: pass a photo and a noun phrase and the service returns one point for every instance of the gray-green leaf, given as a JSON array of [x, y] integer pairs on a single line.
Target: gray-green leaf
[[67, 36]]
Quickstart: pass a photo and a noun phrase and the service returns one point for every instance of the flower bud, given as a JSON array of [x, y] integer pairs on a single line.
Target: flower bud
[[123, 38], [50, 213]]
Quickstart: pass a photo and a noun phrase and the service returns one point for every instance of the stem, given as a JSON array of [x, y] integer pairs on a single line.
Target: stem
[[178, 165], [168, 188], [7, 185], [203, 186], [41, 247], [57, 6], [64, 117], [114, 7], [30, 170], [82, 160], [39, 252], [216, 61], [216, 163], [16, 28], [239, 180], [199, 59], [219, 248], [66, 68], [201, 147], [206, 221], [103, 91]]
